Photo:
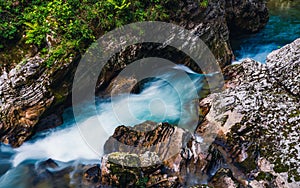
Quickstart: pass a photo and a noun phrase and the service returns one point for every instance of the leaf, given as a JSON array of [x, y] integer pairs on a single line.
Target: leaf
[[32, 26]]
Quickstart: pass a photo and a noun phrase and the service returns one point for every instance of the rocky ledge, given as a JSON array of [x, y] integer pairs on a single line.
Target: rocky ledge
[[255, 121]]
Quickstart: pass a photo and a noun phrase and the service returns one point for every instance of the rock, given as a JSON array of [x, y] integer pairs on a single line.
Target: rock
[[224, 178], [163, 139], [244, 15], [51, 174], [131, 158], [48, 164], [126, 170], [31, 92], [120, 85], [48, 122], [24, 97], [257, 119], [92, 176], [281, 62]]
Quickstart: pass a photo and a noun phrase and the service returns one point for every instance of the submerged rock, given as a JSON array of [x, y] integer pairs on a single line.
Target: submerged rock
[[92, 176]]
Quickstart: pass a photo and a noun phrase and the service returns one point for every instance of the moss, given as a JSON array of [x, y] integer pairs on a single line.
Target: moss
[[279, 168], [295, 114], [204, 3], [293, 174], [248, 165], [264, 176], [126, 168], [236, 127], [142, 182], [297, 177], [60, 94], [125, 159]]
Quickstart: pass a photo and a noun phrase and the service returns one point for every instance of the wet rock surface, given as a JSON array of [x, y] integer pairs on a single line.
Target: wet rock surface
[[165, 156], [131, 161]]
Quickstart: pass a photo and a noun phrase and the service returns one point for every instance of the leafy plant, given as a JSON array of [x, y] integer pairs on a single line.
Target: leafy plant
[[142, 182], [122, 6], [74, 24], [204, 3]]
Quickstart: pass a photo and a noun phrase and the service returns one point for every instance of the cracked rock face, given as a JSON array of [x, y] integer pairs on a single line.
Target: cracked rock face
[[18, 116], [27, 92]]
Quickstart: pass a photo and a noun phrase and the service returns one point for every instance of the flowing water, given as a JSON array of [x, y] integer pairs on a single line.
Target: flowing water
[[282, 28], [160, 100]]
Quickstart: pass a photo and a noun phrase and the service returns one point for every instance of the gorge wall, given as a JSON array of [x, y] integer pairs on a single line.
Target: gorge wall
[[33, 94]]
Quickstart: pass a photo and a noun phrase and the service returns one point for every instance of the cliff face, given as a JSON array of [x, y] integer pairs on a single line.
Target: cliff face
[[32, 93]]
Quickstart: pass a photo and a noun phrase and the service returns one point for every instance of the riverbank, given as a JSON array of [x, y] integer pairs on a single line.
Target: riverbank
[[246, 135]]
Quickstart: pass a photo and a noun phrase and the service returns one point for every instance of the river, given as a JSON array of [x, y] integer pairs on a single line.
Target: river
[[21, 167], [168, 98]]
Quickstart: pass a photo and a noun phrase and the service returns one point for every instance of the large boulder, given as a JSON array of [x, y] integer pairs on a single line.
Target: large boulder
[[27, 92], [246, 16]]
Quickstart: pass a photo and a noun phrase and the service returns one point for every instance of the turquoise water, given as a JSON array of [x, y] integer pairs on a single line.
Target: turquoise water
[[20, 167], [170, 97], [282, 28]]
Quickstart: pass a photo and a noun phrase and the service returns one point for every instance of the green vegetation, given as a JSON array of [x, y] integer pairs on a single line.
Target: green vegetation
[[71, 24], [142, 182], [204, 3]]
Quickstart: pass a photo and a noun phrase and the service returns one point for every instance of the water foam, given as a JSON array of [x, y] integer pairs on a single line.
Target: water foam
[[169, 98]]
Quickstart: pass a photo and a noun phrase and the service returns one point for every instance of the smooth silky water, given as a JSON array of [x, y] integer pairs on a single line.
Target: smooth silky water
[[158, 101]]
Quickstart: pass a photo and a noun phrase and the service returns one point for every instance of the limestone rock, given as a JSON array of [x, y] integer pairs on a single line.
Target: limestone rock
[[31, 91], [257, 119]]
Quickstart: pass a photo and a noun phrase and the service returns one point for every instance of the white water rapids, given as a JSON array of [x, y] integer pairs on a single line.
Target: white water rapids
[[158, 101]]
